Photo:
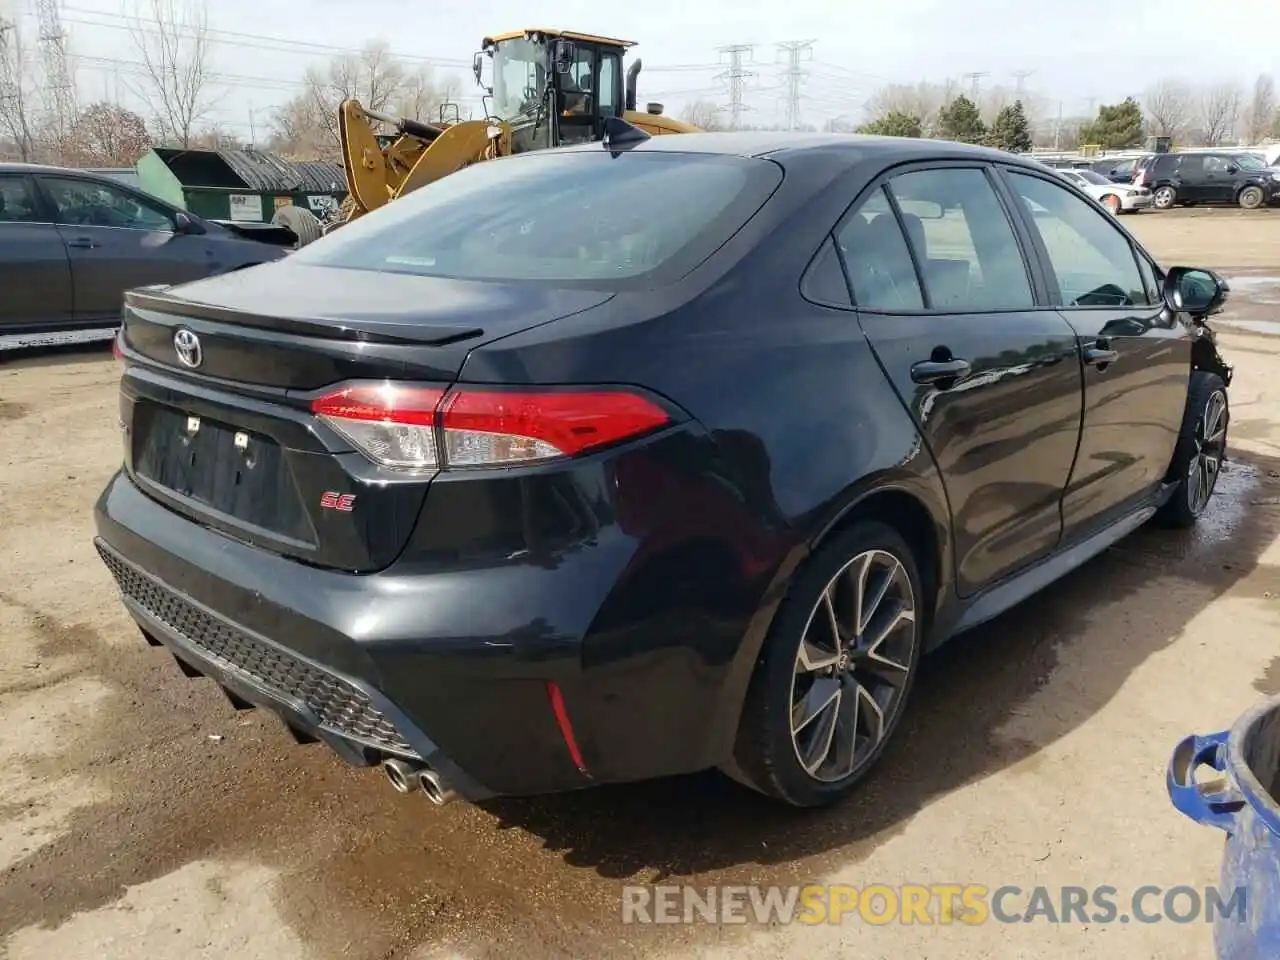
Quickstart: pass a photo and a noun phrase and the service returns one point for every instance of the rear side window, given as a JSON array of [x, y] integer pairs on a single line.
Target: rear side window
[[963, 240], [877, 259], [17, 203], [580, 217]]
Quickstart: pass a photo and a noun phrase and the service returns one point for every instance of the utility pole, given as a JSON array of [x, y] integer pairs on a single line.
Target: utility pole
[[795, 51], [1057, 129], [59, 89], [736, 75], [1020, 81], [974, 79]]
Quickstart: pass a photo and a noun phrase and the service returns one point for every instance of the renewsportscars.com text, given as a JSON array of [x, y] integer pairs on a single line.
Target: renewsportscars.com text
[[929, 904]]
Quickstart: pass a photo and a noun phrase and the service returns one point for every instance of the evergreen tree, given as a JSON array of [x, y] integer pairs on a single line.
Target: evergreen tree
[[895, 123], [959, 120], [1012, 131], [1116, 126]]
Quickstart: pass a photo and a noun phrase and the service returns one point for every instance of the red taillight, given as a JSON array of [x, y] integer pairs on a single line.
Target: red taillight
[[420, 428]]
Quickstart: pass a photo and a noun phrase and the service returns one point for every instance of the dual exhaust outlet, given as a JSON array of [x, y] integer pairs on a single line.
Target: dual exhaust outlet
[[406, 777]]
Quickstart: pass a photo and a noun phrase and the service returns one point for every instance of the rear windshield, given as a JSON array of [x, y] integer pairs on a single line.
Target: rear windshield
[[581, 217]]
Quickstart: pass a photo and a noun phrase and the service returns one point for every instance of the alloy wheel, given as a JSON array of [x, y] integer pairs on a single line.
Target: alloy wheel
[[1206, 463], [1163, 198], [853, 665]]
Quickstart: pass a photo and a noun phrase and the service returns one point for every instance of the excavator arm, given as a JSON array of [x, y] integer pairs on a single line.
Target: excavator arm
[[419, 153]]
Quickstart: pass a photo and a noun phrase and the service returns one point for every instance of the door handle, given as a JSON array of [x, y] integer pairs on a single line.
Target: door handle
[[82, 243], [1099, 354], [936, 371]]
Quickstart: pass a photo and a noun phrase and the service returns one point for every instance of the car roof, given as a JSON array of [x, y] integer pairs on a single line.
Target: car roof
[[50, 169], [781, 146]]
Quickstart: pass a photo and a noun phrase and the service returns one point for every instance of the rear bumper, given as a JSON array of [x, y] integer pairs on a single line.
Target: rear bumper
[[1140, 202], [450, 667]]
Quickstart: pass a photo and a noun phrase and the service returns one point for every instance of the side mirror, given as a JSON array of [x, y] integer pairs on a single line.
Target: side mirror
[[184, 224], [477, 67], [1201, 293]]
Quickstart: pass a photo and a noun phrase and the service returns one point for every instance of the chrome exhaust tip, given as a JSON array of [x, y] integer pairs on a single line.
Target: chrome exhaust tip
[[437, 791], [402, 775]]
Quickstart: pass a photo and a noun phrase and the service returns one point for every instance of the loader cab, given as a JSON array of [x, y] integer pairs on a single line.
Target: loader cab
[[554, 87]]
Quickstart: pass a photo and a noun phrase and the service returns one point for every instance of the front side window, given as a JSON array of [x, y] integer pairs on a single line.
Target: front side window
[[1092, 260], [17, 203], [85, 203], [963, 240], [519, 77], [577, 217]]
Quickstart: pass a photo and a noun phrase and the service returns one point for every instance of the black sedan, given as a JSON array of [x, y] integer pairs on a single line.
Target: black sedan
[[72, 242], [612, 462]]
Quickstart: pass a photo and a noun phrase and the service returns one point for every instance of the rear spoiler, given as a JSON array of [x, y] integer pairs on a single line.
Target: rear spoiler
[[157, 299]]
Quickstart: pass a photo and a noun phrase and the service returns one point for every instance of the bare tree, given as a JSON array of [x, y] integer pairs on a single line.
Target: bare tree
[[17, 120], [1260, 117], [172, 39], [1219, 111], [1169, 105], [704, 114], [422, 96], [108, 135], [922, 100]]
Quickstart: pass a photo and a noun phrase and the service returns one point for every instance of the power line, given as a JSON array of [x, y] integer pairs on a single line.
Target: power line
[[736, 75], [795, 50]]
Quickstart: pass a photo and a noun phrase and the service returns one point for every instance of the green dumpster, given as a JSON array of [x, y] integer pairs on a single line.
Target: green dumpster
[[243, 185]]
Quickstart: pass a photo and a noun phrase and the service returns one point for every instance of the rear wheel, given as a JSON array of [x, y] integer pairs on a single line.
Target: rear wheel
[[1201, 450], [1164, 198], [836, 670], [304, 224], [1251, 198]]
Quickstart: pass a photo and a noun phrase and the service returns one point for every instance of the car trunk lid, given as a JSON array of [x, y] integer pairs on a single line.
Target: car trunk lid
[[220, 376]]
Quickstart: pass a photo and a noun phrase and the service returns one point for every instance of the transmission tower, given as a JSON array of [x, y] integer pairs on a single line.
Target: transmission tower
[[1020, 81], [59, 89], [795, 51], [975, 79], [736, 75]]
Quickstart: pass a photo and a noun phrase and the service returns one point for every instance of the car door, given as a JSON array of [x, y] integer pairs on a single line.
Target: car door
[[1189, 180], [118, 239], [1220, 175], [949, 305], [35, 274], [1137, 355]]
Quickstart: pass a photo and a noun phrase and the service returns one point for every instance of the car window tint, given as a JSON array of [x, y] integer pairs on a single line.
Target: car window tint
[[876, 257], [1215, 164], [17, 204], [89, 204], [963, 240], [1091, 258], [823, 282], [574, 217]]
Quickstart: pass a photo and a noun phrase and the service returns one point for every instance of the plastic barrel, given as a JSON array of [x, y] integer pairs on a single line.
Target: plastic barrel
[[1242, 802]]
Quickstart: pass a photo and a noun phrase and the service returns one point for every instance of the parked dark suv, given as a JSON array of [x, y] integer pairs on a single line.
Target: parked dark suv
[[634, 459], [1187, 178]]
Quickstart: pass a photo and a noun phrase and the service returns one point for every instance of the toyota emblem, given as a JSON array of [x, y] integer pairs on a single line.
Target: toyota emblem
[[187, 345]]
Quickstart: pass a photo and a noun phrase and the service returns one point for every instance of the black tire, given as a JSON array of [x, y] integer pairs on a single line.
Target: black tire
[[767, 753], [1251, 198], [1164, 198], [1190, 498], [304, 224]]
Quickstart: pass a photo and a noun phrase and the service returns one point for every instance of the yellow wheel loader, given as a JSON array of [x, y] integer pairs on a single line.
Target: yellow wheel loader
[[549, 87]]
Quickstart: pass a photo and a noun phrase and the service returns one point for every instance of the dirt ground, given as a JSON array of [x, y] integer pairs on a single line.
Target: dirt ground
[[141, 817]]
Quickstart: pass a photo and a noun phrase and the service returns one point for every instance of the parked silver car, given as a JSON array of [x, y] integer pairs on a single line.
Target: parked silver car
[[1116, 197]]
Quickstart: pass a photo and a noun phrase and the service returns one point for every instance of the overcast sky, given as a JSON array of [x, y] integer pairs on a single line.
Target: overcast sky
[[1078, 51]]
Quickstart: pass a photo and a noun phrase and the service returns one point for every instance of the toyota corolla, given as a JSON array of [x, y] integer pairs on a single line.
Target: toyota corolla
[[607, 463]]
